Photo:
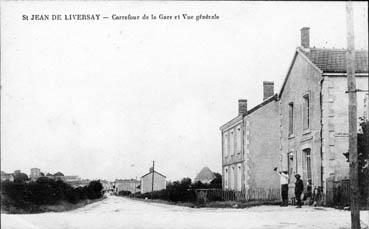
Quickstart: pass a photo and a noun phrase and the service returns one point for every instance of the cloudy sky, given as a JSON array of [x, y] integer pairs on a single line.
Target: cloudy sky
[[102, 99]]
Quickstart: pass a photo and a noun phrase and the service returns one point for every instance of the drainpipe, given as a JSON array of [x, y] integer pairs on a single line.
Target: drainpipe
[[321, 132]]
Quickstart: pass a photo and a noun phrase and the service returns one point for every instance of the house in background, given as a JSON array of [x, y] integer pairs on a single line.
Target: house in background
[[130, 185], [152, 181], [35, 174], [314, 112], [205, 176], [6, 176]]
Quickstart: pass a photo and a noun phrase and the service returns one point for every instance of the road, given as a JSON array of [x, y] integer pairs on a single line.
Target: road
[[118, 212]]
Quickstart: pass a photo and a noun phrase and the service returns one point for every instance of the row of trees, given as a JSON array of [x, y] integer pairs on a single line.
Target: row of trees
[[183, 190], [46, 191]]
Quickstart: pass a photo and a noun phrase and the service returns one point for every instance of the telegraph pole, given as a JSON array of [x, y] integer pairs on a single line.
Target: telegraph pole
[[152, 180], [352, 119]]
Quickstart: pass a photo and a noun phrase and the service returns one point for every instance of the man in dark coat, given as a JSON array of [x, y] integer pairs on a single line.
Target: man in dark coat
[[299, 188]]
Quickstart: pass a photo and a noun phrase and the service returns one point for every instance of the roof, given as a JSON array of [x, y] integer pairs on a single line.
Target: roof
[[205, 175], [231, 123], [155, 172], [329, 61], [266, 101], [334, 60]]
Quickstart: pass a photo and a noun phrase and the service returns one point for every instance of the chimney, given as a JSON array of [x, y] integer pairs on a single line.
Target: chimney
[[242, 107], [268, 89], [151, 169], [305, 37]]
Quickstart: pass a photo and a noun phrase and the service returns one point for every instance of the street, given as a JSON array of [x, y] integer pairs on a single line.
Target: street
[[118, 212]]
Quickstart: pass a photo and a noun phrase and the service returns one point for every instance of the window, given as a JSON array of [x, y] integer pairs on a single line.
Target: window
[[308, 163], [225, 142], [231, 143], [306, 112], [239, 140], [290, 119]]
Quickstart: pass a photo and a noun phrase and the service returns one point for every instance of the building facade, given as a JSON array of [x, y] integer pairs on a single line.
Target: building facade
[[248, 158], [153, 181], [261, 144], [130, 185], [233, 161], [314, 113]]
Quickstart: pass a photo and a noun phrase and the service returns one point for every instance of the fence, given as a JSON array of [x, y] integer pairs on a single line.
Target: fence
[[338, 194], [206, 195]]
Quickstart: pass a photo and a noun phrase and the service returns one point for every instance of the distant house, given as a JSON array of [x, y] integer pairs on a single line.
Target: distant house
[[205, 176], [6, 176], [147, 181], [131, 185], [72, 180], [35, 174], [107, 185]]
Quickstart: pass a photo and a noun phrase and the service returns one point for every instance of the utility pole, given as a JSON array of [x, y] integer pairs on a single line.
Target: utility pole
[[352, 119], [152, 180]]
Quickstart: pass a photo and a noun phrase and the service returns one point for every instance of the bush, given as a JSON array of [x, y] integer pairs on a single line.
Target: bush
[[182, 191], [124, 193], [46, 191]]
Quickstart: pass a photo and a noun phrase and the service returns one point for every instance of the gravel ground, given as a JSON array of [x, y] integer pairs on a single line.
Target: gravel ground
[[118, 212]]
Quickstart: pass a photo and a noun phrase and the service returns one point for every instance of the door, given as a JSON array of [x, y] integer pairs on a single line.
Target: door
[[306, 163]]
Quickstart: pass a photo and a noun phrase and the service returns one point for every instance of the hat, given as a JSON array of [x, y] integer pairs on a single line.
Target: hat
[[297, 175]]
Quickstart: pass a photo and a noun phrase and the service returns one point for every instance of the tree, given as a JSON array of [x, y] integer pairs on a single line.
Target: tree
[[20, 177], [217, 181]]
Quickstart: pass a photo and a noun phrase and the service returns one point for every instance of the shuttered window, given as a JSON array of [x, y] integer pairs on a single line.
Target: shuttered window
[[290, 119], [306, 112]]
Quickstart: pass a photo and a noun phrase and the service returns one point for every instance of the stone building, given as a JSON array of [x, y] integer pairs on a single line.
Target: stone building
[[250, 145], [35, 173], [131, 185], [148, 179], [314, 112]]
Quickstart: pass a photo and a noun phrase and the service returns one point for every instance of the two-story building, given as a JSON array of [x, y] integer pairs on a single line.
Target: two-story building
[[303, 129], [250, 145], [153, 181], [314, 112]]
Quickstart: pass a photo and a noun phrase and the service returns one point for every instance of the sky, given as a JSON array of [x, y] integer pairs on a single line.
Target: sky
[[103, 99]]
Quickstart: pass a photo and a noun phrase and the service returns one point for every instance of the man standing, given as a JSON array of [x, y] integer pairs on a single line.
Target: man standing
[[299, 188], [284, 187]]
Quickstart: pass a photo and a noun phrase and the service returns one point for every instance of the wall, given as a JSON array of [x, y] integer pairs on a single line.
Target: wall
[[303, 79], [261, 148], [146, 183], [335, 123]]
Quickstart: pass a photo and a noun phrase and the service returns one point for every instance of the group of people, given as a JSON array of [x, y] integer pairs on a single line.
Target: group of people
[[299, 188]]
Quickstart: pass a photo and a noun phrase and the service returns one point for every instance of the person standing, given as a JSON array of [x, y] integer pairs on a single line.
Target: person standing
[[284, 187], [299, 188]]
